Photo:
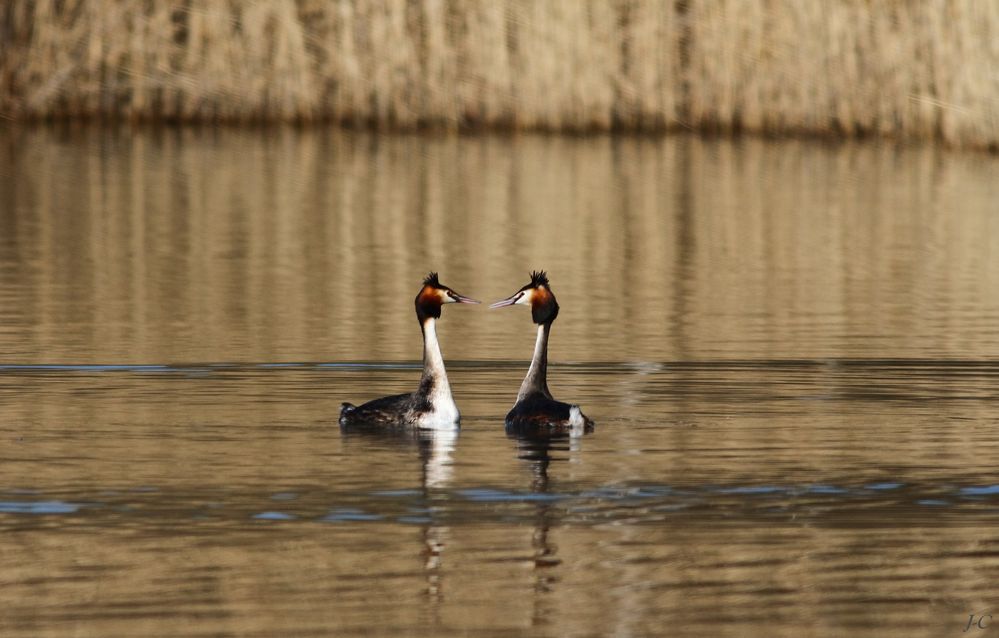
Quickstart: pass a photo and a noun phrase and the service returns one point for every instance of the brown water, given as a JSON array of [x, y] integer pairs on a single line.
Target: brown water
[[791, 351]]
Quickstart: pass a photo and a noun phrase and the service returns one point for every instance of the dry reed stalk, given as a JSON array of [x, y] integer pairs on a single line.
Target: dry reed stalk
[[923, 69], [894, 68], [486, 80]]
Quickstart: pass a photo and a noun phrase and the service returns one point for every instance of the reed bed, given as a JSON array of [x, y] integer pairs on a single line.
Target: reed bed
[[899, 68]]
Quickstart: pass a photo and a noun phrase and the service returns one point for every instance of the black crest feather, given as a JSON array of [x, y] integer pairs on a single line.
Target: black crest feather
[[539, 278], [432, 280]]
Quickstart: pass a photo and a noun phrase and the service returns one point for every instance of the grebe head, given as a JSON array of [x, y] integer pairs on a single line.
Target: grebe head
[[433, 295], [538, 295]]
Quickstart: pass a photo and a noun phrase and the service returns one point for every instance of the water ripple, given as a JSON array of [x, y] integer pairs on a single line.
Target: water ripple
[[471, 505]]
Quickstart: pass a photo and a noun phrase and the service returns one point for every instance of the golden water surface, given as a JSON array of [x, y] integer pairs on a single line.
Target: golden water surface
[[791, 351]]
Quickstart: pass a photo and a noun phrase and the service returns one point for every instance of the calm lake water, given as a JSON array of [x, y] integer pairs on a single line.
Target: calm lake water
[[791, 351]]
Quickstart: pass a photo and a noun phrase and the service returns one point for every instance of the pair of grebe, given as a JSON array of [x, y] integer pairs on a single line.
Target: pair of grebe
[[432, 407]]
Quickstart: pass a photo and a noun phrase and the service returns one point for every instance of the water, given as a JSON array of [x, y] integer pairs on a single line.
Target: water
[[790, 350]]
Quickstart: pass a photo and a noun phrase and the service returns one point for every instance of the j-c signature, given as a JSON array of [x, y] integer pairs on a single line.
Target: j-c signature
[[981, 622]]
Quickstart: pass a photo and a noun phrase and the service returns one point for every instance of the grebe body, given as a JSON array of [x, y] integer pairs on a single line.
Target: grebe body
[[536, 411], [431, 406]]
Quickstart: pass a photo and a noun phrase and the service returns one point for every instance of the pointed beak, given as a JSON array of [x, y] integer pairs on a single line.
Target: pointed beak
[[509, 301], [462, 299]]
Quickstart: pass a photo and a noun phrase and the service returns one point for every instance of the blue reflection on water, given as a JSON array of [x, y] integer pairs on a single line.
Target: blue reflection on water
[[753, 489], [344, 514], [491, 495], [37, 507], [980, 491], [827, 489], [887, 485], [410, 506], [274, 516]]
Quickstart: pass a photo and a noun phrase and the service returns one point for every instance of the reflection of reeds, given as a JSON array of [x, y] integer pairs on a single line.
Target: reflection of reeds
[[922, 69], [226, 245]]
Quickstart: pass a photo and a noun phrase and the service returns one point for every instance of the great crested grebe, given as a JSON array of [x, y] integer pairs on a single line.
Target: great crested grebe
[[431, 407], [536, 410]]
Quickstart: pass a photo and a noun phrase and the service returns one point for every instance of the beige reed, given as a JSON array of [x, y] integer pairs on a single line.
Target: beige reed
[[899, 68]]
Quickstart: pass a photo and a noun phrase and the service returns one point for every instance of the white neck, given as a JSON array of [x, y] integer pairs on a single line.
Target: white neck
[[433, 361], [536, 379]]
